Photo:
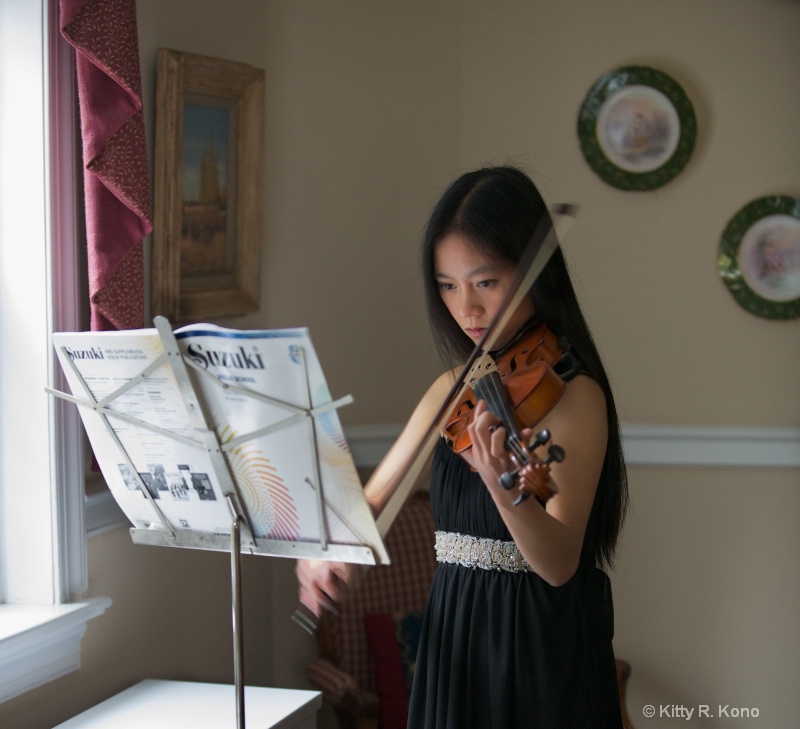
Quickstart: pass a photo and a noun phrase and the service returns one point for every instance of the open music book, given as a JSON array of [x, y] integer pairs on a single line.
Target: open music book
[[264, 396]]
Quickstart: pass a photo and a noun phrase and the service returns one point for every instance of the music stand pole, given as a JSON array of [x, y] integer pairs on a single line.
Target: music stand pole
[[236, 603]]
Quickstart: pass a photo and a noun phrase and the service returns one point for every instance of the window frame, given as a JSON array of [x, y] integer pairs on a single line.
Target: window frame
[[44, 610]]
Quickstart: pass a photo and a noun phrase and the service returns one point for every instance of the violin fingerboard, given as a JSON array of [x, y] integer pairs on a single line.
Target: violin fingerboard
[[490, 388]]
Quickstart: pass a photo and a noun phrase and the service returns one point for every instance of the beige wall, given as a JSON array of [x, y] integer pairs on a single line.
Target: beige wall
[[372, 107]]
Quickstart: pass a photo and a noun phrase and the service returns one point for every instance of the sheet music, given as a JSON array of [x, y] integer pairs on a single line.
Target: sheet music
[[274, 471]]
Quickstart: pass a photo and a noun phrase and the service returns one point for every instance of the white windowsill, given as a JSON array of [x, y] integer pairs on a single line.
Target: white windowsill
[[41, 643]]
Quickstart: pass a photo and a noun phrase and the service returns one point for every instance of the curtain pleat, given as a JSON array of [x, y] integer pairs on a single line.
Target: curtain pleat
[[116, 177]]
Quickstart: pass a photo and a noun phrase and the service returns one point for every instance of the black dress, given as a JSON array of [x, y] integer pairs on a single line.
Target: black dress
[[505, 650]]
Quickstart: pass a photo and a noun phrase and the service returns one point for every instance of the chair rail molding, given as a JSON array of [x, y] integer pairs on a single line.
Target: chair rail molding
[[647, 445]]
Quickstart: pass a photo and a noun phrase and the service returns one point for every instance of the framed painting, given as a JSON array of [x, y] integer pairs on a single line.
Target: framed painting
[[637, 128], [208, 186], [759, 257]]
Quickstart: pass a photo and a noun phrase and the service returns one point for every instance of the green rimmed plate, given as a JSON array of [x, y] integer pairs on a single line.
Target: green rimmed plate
[[759, 257], [637, 128]]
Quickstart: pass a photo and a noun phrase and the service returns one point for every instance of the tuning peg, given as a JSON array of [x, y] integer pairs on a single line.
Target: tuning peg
[[555, 454], [539, 439], [509, 478]]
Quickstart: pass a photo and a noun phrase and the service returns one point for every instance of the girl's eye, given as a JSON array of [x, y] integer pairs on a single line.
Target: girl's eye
[[485, 284], [444, 286]]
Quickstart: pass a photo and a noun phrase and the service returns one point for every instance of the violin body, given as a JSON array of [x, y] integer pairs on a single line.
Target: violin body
[[520, 385], [534, 392]]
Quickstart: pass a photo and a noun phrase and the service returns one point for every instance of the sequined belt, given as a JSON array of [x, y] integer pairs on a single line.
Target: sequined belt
[[488, 554]]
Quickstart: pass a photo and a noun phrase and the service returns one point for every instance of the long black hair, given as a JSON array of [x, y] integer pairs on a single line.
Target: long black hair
[[498, 209]]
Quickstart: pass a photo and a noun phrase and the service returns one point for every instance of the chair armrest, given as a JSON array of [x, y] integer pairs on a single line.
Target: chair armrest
[[340, 688]]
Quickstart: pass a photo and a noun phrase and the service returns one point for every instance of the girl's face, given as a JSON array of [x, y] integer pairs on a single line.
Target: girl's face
[[474, 286]]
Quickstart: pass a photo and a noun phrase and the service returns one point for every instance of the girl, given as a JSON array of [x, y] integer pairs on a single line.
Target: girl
[[526, 641]]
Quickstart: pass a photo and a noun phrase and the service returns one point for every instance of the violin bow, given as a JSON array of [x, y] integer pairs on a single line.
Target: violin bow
[[540, 248]]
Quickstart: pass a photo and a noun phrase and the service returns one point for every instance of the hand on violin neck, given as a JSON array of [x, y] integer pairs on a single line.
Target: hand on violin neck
[[510, 478], [489, 455]]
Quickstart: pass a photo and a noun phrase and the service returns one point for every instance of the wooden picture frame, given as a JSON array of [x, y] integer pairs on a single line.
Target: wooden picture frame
[[207, 231]]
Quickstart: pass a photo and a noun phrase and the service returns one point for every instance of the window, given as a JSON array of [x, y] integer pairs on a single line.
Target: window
[[42, 533]]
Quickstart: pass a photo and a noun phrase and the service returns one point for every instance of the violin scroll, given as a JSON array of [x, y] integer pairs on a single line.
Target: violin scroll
[[532, 474]]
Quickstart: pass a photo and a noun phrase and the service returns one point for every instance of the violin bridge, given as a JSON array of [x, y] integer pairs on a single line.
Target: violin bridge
[[481, 368]]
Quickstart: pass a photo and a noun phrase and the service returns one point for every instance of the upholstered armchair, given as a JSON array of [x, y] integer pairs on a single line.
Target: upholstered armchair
[[367, 650]]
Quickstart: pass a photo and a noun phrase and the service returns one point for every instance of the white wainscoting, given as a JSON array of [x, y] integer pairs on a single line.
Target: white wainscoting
[[648, 445]]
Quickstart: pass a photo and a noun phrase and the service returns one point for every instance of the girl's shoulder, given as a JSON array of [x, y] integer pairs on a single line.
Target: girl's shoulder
[[581, 410], [585, 389], [442, 385]]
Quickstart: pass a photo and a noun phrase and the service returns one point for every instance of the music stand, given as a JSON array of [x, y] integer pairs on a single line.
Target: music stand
[[199, 392]]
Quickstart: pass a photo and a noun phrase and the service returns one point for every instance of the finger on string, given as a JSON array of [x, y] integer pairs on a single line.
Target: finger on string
[[498, 443]]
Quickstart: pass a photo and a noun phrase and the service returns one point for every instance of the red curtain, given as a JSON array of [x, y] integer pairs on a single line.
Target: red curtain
[[116, 179]]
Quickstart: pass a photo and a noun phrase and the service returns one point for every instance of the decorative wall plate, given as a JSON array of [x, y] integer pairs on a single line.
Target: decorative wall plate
[[637, 128], [759, 257]]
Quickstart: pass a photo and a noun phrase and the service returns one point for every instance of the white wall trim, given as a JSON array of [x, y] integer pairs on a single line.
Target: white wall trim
[[42, 539], [720, 446], [644, 445], [647, 445], [369, 443]]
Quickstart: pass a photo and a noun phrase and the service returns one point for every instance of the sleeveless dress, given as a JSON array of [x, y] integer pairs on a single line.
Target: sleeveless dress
[[505, 650]]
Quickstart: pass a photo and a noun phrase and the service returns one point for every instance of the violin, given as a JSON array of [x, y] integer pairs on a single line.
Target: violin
[[520, 383]]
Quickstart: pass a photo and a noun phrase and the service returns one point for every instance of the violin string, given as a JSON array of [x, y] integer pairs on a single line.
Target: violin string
[[490, 388]]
